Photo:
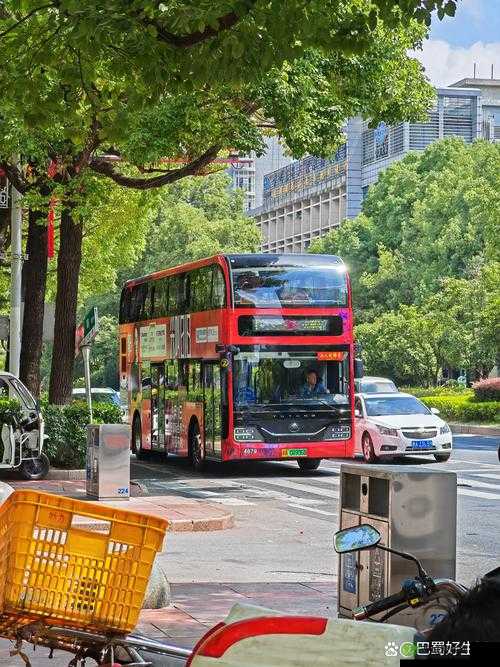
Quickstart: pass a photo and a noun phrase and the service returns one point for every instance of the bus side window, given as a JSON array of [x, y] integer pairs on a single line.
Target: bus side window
[[125, 302], [195, 388], [201, 289], [178, 294], [160, 304], [218, 288]]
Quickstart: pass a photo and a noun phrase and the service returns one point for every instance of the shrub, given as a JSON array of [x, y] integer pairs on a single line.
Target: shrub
[[487, 390], [464, 408], [9, 409], [66, 428], [443, 390]]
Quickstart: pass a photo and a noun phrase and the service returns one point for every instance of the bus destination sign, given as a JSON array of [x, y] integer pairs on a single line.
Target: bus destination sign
[[274, 325]]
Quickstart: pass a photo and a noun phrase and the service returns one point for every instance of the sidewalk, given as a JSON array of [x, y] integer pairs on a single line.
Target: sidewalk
[[198, 607], [182, 514], [475, 429]]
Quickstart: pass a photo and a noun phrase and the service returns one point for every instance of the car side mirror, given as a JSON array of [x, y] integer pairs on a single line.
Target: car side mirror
[[434, 411], [357, 412]]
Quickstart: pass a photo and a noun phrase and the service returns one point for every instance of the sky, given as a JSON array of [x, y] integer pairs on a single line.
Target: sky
[[455, 44]]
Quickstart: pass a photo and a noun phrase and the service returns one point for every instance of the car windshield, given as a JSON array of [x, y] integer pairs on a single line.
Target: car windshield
[[378, 387], [98, 397], [395, 405], [277, 286], [264, 378], [105, 397]]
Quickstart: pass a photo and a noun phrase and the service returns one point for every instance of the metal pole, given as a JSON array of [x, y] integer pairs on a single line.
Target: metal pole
[[16, 265], [86, 366]]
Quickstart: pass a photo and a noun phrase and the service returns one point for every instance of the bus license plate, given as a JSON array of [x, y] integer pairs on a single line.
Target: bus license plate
[[421, 444], [293, 452]]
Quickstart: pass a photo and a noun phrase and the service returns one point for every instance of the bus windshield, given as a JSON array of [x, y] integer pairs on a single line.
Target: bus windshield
[[268, 378], [278, 286]]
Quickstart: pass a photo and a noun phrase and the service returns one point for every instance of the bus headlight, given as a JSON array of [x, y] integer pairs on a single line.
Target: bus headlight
[[338, 432], [247, 434]]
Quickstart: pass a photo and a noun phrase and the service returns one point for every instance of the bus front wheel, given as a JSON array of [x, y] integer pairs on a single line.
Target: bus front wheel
[[140, 453], [196, 450], [309, 464]]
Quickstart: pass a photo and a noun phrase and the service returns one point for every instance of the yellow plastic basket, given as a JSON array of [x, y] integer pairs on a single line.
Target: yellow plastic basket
[[54, 571]]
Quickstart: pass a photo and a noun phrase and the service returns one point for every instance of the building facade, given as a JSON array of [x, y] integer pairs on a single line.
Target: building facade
[[248, 174], [306, 198]]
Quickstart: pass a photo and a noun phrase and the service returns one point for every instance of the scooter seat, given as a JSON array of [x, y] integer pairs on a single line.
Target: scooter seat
[[258, 637]]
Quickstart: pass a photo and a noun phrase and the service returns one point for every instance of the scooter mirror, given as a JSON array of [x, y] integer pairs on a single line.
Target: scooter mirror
[[356, 538]]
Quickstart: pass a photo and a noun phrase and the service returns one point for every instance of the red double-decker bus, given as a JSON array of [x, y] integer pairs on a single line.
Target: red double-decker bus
[[240, 357]]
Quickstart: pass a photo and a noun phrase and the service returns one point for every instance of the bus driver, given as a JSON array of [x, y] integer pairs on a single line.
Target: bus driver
[[313, 385]]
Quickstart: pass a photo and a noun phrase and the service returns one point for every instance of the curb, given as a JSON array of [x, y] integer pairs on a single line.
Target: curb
[[474, 429], [66, 475], [223, 522]]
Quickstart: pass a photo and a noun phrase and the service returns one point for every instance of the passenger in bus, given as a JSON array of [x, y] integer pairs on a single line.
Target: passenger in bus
[[313, 385], [294, 295], [252, 291], [245, 395]]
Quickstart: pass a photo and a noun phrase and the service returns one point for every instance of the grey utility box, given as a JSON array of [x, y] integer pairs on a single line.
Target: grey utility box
[[415, 510], [108, 461]]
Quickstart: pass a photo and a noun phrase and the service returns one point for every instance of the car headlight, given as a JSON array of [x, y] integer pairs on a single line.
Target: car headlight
[[247, 434], [388, 431], [445, 429]]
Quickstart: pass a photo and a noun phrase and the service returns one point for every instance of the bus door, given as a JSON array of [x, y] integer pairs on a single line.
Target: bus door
[[158, 406], [212, 382], [175, 394]]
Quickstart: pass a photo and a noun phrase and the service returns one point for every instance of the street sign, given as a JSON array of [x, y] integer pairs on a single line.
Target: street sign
[[90, 326], [87, 331]]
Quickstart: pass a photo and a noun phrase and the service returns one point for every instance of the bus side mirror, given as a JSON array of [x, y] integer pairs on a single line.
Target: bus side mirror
[[359, 369]]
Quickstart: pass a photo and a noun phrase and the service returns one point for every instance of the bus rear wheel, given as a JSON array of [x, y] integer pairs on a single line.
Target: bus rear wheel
[[196, 450], [140, 453], [309, 464]]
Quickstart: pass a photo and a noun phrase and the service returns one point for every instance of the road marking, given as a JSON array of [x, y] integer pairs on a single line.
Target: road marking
[[312, 509], [478, 494], [477, 463], [231, 501], [485, 474], [307, 488], [472, 471], [475, 484]]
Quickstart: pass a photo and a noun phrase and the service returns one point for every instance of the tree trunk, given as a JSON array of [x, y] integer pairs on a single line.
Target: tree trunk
[[68, 270], [34, 283]]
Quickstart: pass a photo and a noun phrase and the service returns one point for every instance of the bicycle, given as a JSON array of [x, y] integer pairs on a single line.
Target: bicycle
[[65, 586]]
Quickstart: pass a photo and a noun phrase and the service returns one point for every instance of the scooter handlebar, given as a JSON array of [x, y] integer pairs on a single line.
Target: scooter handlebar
[[366, 611]]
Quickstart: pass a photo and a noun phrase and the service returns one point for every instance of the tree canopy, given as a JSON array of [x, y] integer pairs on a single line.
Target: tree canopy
[[427, 240], [147, 81]]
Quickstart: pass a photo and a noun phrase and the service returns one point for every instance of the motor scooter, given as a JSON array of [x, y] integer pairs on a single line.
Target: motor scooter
[[22, 441]]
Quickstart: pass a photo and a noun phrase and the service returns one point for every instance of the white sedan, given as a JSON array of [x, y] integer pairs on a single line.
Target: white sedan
[[390, 425]]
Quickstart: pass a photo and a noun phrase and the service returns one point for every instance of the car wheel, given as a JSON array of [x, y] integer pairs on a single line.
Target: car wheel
[[196, 449], [441, 458], [367, 447], [37, 468], [140, 453], [308, 464]]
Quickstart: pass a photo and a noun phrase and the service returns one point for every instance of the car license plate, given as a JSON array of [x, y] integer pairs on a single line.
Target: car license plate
[[293, 452], [421, 444]]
